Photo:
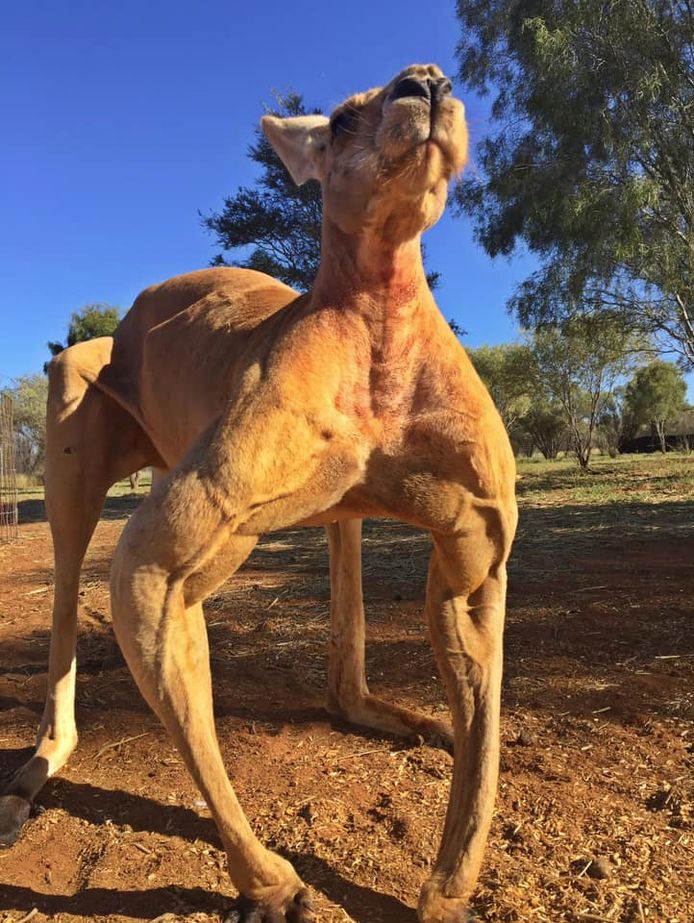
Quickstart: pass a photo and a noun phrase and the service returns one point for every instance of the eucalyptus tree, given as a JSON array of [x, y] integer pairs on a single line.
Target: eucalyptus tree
[[656, 396], [93, 320], [579, 364], [590, 160], [507, 371]]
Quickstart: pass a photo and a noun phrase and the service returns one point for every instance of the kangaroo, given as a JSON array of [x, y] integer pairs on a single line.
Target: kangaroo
[[263, 409]]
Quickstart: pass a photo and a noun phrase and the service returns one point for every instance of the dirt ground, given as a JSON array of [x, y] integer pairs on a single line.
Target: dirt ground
[[593, 818]]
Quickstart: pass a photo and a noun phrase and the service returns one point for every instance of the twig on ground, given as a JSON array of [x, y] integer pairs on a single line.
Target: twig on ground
[[118, 743], [354, 756], [29, 916]]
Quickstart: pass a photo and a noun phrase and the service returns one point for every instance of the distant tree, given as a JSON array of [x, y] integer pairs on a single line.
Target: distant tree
[[579, 364], [656, 395], [91, 321], [278, 220], [29, 396], [616, 423], [508, 372], [545, 424], [591, 161], [682, 428]]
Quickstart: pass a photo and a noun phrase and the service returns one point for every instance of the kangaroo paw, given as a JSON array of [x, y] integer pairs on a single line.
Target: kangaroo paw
[[297, 910]]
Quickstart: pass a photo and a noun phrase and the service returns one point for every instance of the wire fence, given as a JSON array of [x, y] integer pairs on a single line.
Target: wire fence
[[9, 517]]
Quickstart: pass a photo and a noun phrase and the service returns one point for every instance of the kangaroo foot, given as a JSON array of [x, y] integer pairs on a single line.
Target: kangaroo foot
[[372, 712], [436, 907], [437, 734], [298, 910]]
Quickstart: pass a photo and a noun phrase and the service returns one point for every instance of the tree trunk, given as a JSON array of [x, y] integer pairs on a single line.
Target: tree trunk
[[659, 426], [581, 446]]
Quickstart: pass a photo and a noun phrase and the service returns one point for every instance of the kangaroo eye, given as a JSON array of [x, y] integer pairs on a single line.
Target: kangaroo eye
[[344, 122]]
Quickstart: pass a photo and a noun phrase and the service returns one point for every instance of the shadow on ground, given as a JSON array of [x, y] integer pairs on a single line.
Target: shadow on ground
[[31, 511], [95, 805]]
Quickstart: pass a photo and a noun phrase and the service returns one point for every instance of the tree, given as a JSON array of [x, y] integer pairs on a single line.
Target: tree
[[91, 321], [591, 161], [507, 371], [279, 220], [545, 424], [29, 396], [616, 423], [655, 395], [579, 364], [682, 428]]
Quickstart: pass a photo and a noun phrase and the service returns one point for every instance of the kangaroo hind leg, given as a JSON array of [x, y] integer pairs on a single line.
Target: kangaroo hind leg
[[91, 442]]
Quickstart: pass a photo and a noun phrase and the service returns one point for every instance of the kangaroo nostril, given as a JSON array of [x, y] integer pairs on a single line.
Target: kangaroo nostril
[[412, 86], [441, 87]]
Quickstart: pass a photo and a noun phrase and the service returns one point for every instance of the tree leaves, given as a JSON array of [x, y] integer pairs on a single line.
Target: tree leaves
[[91, 321], [29, 396], [591, 162], [656, 395]]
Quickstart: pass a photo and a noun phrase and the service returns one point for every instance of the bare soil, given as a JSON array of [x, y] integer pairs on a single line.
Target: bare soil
[[593, 818]]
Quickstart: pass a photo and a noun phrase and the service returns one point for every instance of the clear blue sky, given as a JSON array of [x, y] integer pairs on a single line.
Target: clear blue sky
[[122, 121]]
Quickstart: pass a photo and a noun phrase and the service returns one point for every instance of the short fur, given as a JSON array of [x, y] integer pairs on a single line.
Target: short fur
[[263, 409]]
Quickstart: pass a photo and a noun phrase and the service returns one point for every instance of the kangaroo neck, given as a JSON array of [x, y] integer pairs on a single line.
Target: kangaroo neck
[[368, 274]]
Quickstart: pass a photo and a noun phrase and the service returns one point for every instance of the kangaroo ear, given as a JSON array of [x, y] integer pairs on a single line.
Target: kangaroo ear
[[300, 142]]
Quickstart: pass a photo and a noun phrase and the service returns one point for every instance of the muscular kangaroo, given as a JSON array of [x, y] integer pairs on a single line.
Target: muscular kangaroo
[[264, 409]]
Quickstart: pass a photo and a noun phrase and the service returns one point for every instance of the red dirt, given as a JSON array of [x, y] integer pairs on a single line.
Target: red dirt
[[597, 740]]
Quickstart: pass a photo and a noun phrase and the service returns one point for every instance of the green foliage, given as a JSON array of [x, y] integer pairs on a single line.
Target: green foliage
[[563, 383], [616, 423], [29, 396], [591, 164], [278, 220], [94, 320], [508, 372], [682, 428], [91, 321], [459, 331], [579, 363], [545, 424], [656, 395]]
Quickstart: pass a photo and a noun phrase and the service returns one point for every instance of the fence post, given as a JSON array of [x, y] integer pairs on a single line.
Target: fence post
[[9, 516]]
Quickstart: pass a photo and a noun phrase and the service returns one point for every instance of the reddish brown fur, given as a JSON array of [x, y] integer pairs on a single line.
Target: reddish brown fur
[[271, 410]]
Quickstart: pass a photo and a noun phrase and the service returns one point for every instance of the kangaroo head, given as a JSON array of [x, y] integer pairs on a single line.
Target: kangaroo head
[[384, 158]]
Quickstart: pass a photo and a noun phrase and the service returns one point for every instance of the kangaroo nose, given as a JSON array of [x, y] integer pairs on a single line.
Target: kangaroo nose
[[422, 87], [412, 86]]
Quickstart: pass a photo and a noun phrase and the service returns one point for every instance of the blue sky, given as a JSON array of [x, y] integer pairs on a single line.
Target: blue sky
[[122, 121]]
